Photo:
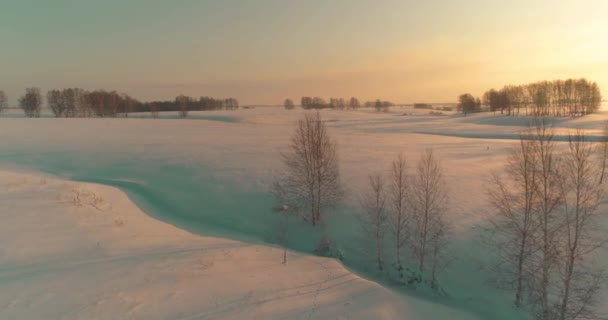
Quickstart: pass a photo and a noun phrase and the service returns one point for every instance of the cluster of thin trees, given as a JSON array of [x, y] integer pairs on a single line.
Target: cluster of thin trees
[[76, 102], [184, 104], [405, 213], [546, 224], [337, 103], [320, 103], [559, 98]]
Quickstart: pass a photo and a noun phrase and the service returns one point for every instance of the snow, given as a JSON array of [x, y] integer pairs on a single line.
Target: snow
[[205, 179], [84, 251]]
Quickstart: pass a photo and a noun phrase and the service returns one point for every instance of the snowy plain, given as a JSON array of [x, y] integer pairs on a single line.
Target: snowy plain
[[80, 250]]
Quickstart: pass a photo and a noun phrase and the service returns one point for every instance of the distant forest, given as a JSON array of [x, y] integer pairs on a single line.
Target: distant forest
[[558, 98], [337, 103], [76, 102]]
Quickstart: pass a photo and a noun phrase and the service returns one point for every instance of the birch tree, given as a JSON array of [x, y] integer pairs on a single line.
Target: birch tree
[[579, 237], [311, 177], [399, 206], [549, 193], [513, 196], [374, 216], [429, 203]]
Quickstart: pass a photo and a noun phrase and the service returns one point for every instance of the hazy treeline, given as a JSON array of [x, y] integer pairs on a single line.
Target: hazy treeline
[[546, 98], [77, 102], [337, 103], [557, 98], [183, 104]]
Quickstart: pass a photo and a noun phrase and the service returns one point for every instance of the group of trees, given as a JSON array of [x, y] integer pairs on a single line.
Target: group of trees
[[184, 104], [334, 103], [77, 102], [468, 104], [379, 105], [337, 103], [410, 207], [544, 230], [545, 226], [410, 210], [546, 98]]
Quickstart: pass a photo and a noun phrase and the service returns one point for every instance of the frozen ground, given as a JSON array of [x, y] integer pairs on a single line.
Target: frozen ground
[[84, 251], [210, 176]]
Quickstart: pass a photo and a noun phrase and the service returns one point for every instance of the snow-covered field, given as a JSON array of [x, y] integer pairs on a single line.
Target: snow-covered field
[[84, 251], [77, 250]]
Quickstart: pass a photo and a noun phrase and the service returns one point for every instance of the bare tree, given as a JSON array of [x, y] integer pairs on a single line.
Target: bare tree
[[429, 199], [3, 102], [31, 102], [311, 178], [183, 103], [399, 204], [579, 237], [288, 104], [468, 104], [354, 103], [56, 102], [374, 217], [514, 198], [550, 199]]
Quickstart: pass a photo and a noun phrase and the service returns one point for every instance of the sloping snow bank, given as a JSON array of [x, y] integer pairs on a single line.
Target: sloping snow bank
[[84, 251]]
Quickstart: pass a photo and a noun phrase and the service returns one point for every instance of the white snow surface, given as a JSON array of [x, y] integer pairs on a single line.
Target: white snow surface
[[84, 251], [75, 250]]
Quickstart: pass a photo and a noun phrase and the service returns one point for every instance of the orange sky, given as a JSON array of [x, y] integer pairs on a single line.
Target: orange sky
[[262, 52]]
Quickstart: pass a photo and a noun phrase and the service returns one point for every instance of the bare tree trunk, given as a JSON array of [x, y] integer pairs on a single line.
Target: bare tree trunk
[[311, 177], [550, 199], [429, 201], [582, 196], [374, 216], [399, 198]]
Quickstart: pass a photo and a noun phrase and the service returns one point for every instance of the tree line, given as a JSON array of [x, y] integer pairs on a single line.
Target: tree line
[[77, 102], [184, 104], [337, 103], [571, 97]]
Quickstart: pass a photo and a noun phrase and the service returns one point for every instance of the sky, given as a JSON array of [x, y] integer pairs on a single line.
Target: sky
[[263, 51]]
